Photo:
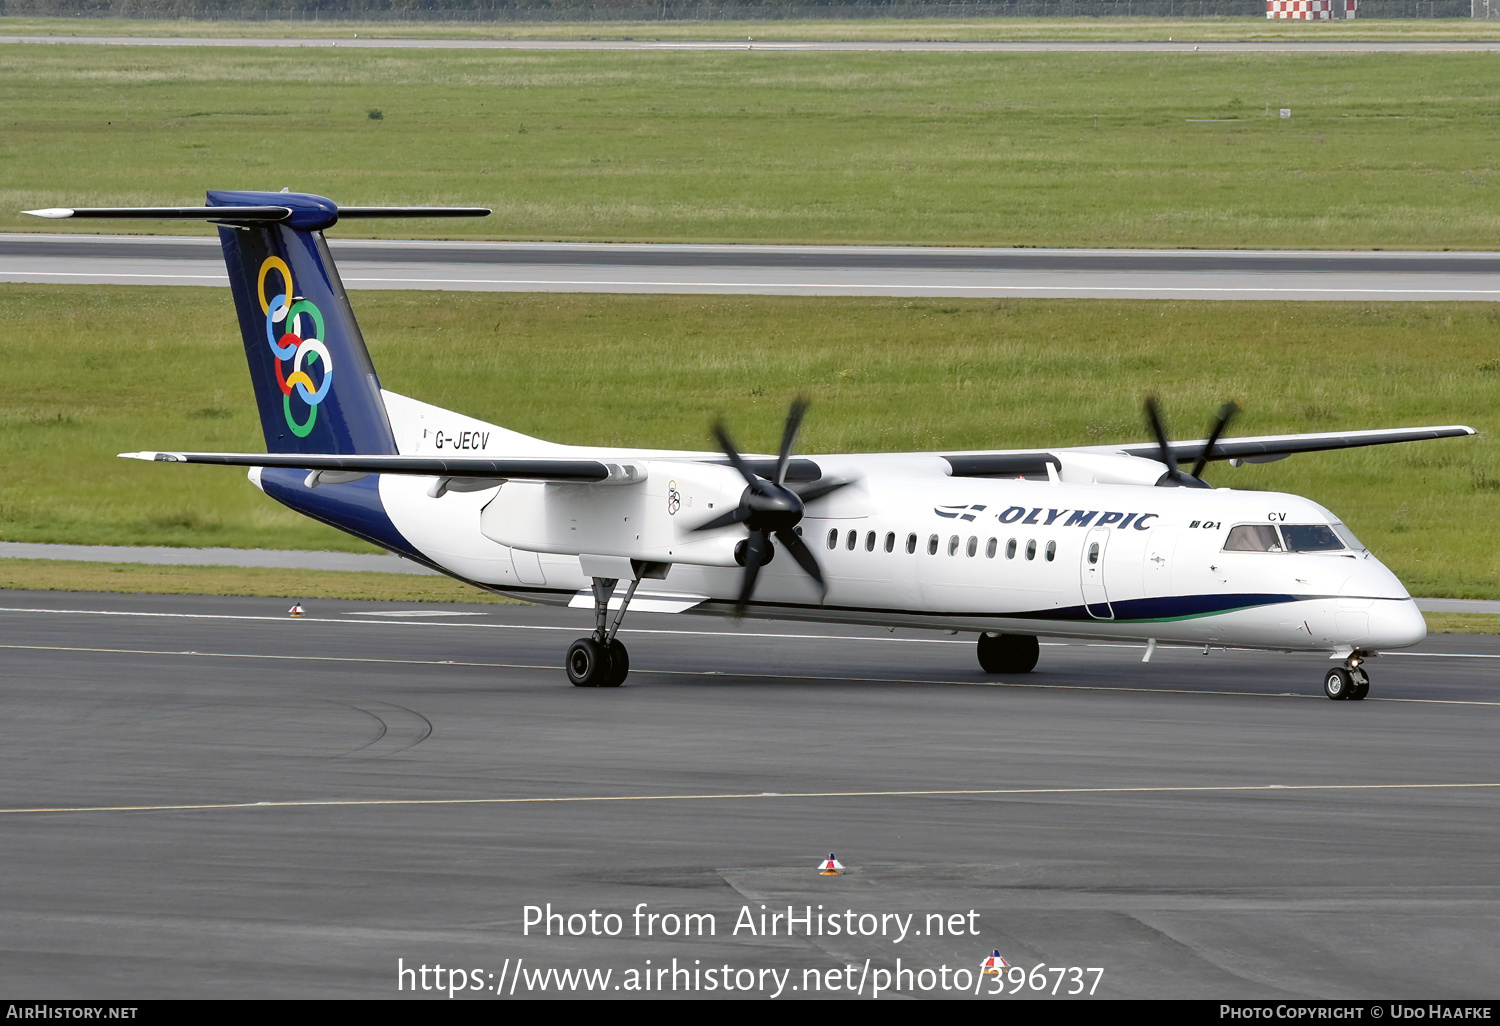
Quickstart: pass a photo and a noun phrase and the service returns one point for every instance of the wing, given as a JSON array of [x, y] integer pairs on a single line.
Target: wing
[[1267, 448], [1261, 449], [557, 471]]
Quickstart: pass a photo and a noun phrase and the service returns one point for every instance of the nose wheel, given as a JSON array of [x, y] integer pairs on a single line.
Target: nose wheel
[[1346, 683]]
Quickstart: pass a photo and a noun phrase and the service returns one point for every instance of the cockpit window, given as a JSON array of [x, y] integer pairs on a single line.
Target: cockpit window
[[1310, 538], [1253, 538], [1289, 538], [1348, 537]]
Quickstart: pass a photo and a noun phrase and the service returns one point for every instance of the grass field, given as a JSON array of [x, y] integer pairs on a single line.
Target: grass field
[[974, 30], [1390, 151], [289, 585], [95, 371]]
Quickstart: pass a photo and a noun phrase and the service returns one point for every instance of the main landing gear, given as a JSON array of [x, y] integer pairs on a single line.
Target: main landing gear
[[1008, 653], [1349, 681], [599, 661]]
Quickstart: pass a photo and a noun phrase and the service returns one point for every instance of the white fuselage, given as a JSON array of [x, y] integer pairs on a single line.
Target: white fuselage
[[908, 545]]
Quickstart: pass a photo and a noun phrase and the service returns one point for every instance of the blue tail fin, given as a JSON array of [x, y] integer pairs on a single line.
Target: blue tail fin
[[314, 382]]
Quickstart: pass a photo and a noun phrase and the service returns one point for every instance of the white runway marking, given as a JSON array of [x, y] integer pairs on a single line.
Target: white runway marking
[[406, 612], [947, 288], [945, 793], [943, 288], [649, 630], [813, 677], [490, 626], [219, 279]]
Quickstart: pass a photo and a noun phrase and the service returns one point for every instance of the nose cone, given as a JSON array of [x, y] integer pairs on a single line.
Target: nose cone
[[1375, 612], [1395, 624]]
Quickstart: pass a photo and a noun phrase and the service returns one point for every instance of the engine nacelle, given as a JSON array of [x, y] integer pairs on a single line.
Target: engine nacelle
[[651, 520], [1108, 468]]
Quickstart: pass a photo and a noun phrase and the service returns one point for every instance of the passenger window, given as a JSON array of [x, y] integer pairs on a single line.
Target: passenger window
[[870, 542], [1093, 554], [833, 538], [911, 543], [989, 549], [973, 545], [1253, 538], [952, 545], [932, 545], [852, 540], [890, 541], [1010, 549], [1051, 551], [1031, 549]]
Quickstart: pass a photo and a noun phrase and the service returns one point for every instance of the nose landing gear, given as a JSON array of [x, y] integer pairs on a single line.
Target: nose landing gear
[[1348, 682]]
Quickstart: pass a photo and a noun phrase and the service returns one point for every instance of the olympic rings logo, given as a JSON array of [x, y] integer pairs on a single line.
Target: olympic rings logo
[[294, 330]]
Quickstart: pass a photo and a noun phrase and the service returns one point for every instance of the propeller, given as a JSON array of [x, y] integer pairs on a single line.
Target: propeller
[[1174, 477], [771, 507]]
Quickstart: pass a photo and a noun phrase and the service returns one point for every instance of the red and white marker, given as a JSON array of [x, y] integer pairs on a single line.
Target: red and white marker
[[296, 609], [830, 866], [994, 965]]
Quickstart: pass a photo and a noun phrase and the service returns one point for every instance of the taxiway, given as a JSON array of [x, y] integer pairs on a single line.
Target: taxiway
[[201, 797]]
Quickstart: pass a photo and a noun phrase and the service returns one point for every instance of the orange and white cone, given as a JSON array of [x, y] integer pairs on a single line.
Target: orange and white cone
[[296, 609], [830, 866], [994, 965]]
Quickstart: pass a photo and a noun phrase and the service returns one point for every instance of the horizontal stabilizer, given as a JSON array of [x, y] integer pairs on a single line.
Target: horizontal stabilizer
[[245, 215], [345, 212], [272, 214], [557, 471]]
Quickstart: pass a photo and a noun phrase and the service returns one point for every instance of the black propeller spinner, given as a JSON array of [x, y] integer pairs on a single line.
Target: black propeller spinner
[[1174, 477], [771, 507]]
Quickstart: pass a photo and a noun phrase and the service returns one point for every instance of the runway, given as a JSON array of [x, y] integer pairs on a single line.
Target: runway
[[786, 270], [246, 805]]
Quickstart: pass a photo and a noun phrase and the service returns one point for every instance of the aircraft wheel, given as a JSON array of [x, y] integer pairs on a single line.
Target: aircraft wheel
[[1008, 653], [1361, 686], [619, 665], [588, 664], [1338, 684]]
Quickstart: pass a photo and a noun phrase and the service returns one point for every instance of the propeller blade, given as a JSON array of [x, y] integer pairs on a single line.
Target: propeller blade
[[738, 515], [816, 490], [727, 445], [1174, 473], [789, 437], [757, 554], [793, 543], [1153, 418], [1226, 414]]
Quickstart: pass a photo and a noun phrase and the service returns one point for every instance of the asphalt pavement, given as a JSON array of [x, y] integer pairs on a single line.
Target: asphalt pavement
[[204, 798], [976, 272]]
